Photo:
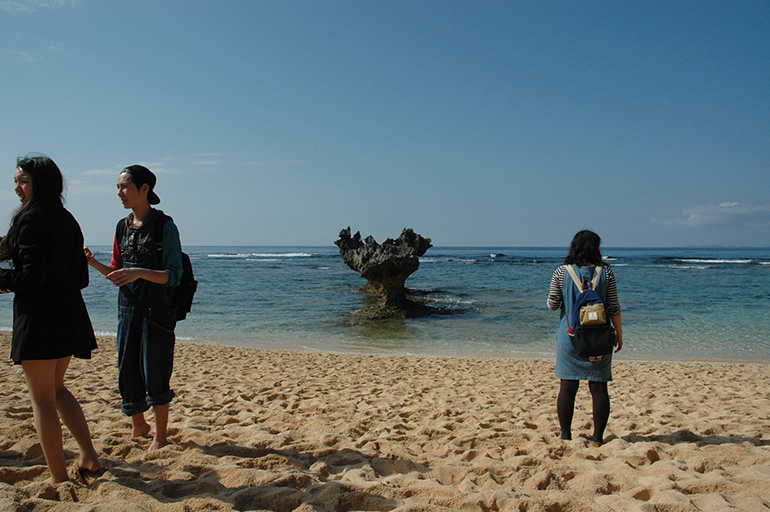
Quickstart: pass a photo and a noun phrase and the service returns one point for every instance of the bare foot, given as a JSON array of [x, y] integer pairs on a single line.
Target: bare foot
[[52, 481], [89, 465], [157, 445], [141, 430]]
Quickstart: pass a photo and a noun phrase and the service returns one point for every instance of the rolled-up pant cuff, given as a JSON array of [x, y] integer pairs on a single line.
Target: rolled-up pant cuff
[[161, 399], [134, 408], [145, 404]]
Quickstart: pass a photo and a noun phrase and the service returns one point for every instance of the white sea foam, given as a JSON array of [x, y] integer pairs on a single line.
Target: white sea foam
[[715, 261], [434, 260], [282, 255], [248, 255], [228, 256], [447, 260], [457, 301]]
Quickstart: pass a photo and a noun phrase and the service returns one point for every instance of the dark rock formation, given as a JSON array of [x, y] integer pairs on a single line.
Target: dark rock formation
[[386, 266]]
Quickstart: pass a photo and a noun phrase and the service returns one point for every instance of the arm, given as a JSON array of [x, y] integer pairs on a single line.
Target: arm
[[98, 265], [123, 276], [115, 263], [30, 273], [555, 294], [613, 304], [120, 276], [172, 263], [172, 254], [617, 322]]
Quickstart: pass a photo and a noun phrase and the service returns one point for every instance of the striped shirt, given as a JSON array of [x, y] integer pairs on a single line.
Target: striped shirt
[[555, 295]]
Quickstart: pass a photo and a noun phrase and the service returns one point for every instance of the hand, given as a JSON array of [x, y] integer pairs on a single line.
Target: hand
[[618, 343], [88, 253], [124, 276]]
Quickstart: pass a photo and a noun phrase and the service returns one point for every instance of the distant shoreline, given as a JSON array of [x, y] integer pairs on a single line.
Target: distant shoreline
[[605, 249], [621, 357]]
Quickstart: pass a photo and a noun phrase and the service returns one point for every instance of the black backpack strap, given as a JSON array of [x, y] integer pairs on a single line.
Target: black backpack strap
[[158, 224], [157, 231], [120, 233]]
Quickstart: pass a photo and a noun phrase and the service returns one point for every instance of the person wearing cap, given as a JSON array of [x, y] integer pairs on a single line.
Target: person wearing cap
[[146, 270]]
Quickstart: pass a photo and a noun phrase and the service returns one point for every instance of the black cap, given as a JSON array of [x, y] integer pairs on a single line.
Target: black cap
[[141, 175]]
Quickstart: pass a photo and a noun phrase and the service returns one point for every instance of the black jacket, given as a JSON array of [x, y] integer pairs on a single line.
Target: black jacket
[[50, 319]]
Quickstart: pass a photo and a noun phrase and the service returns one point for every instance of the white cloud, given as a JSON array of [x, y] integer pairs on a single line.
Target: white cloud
[[59, 49], [88, 189], [161, 170], [34, 5], [26, 56], [155, 167], [726, 214], [102, 172], [210, 155]]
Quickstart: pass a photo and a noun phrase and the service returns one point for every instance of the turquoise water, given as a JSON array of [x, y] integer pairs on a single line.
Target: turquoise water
[[687, 303]]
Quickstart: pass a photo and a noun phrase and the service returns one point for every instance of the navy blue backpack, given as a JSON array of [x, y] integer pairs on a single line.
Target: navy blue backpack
[[590, 331]]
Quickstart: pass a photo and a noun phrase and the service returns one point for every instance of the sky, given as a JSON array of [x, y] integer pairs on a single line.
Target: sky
[[475, 123]]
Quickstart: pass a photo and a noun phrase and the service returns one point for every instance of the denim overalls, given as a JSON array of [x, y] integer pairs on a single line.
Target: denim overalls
[[568, 365], [145, 324]]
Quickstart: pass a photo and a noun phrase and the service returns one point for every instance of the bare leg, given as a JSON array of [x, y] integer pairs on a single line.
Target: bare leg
[[161, 427], [72, 415], [140, 426], [41, 382]]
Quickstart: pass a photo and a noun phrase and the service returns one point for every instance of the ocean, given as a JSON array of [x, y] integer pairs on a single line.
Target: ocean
[[678, 303]]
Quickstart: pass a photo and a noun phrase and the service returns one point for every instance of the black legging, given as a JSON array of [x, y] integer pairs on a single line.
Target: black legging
[[565, 406]]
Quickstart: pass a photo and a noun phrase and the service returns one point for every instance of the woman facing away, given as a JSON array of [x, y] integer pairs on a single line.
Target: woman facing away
[[584, 256], [50, 322]]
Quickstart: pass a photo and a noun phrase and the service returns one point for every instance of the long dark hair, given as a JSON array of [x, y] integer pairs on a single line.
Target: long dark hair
[[47, 187], [584, 250]]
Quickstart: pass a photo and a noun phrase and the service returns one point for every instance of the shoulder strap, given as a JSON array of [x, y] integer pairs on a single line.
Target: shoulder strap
[[120, 232], [157, 230], [594, 281], [120, 228], [575, 277]]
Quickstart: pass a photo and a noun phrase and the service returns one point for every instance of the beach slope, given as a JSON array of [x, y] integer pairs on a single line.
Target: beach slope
[[302, 431]]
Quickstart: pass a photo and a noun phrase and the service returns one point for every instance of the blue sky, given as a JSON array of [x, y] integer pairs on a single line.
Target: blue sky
[[474, 123]]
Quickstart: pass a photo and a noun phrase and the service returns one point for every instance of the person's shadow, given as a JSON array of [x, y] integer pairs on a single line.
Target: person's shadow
[[277, 480], [685, 436]]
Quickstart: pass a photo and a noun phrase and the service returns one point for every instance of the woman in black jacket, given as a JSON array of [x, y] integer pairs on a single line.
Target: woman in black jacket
[[50, 320]]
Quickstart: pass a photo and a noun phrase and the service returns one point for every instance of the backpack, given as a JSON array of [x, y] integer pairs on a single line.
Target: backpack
[[182, 294], [590, 331]]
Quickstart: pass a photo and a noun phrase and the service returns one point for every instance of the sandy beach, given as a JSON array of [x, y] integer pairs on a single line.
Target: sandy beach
[[303, 431]]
